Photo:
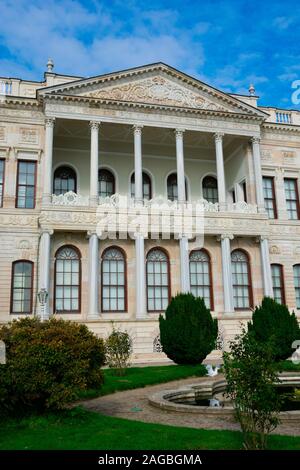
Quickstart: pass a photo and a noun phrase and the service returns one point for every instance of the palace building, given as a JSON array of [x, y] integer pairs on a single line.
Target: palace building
[[76, 152]]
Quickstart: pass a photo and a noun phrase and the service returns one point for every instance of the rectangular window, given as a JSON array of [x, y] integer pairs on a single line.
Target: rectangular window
[[22, 284], [292, 198], [244, 187], [269, 197], [297, 284], [278, 283], [26, 184], [2, 163]]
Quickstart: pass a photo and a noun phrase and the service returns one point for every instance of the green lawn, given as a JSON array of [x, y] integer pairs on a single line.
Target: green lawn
[[80, 429], [137, 377], [289, 366]]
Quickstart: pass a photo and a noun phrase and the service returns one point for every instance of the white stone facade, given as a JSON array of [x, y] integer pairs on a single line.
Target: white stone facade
[[156, 122]]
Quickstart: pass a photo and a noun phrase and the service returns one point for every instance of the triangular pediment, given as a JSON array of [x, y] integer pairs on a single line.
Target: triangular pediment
[[157, 84]]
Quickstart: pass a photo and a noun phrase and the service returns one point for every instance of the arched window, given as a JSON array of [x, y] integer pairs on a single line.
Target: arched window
[[200, 276], [65, 180], [113, 281], [67, 284], [210, 189], [106, 183], [21, 287], [147, 189], [158, 280], [241, 280], [172, 188], [278, 283], [297, 284]]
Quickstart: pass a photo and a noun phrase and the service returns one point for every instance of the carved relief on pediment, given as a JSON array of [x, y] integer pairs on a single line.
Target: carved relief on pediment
[[156, 90]]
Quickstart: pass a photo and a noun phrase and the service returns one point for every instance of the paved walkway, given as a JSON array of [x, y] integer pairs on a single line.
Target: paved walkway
[[133, 404]]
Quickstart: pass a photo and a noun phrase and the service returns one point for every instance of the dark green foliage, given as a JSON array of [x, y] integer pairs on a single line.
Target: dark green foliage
[[251, 374], [272, 322], [188, 332], [46, 362]]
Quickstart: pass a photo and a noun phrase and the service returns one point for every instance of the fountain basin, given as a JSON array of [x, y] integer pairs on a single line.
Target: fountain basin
[[195, 398]]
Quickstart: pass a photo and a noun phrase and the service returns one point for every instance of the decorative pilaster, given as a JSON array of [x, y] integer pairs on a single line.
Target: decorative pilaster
[[257, 173], [48, 158], [184, 265], [180, 165], [266, 266], [138, 172], [93, 312], [140, 287], [226, 272], [44, 269], [94, 163], [220, 171]]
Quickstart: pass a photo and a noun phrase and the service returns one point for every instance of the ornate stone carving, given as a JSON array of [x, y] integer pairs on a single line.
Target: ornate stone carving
[[28, 136], [243, 207], [69, 199], [157, 347], [288, 157], [297, 250], [24, 245], [274, 250], [2, 133], [156, 90], [266, 156], [49, 122]]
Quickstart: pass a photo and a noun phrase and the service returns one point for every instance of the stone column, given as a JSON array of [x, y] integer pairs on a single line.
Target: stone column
[[140, 288], [280, 194], [266, 267], [183, 241], [180, 166], [93, 312], [226, 272], [258, 176], [44, 270], [138, 172], [220, 171], [94, 163], [48, 157], [184, 265]]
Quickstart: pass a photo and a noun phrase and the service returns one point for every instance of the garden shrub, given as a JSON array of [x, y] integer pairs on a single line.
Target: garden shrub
[[118, 350], [188, 332], [251, 376], [272, 322], [47, 363]]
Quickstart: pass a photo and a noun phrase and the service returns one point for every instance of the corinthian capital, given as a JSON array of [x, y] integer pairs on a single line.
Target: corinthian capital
[[255, 140], [218, 136], [179, 133], [225, 235], [94, 125], [137, 129], [49, 122]]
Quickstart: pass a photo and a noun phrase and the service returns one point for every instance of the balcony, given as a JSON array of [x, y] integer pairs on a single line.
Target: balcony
[[158, 217]]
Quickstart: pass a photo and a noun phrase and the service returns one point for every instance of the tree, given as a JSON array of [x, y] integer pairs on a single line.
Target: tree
[[188, 332], [118, 349], [272, 322], [251, 376]]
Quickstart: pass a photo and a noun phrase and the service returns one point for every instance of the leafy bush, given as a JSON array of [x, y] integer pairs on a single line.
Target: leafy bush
[[46, 363], [251, 374], [188, 332], [118, 349], [274, 323]]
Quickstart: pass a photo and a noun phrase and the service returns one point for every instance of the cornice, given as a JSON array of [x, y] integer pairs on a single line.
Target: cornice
[[289, 128], [19, 100], [135, 105]]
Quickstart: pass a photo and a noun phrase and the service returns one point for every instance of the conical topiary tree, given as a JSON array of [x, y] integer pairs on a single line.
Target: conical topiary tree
[[272, 322], [188, 332]]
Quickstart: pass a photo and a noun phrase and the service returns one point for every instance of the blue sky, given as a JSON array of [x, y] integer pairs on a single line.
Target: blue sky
[[227, 44]]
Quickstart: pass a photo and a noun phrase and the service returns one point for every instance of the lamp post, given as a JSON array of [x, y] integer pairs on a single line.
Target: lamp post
[[43, 296]]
